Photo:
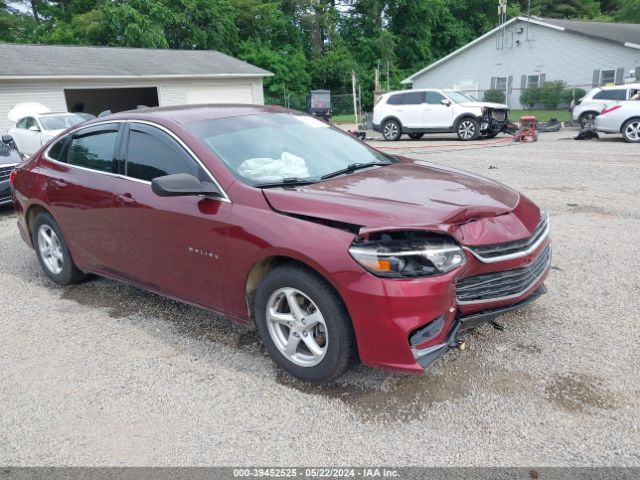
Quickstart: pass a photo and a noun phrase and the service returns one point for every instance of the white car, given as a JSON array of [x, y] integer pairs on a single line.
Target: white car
[[589, 107], [623, 117], [35, 125], [421, 111]]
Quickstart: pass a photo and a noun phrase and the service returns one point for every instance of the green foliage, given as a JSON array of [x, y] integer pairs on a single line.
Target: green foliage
[[494, 96], [570, 94], [551, 93], [530, 97], [305, 43]]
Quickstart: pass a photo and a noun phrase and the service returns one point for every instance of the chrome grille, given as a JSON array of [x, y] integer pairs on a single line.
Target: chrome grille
[[497, 251], [501, 285], [5, 171]]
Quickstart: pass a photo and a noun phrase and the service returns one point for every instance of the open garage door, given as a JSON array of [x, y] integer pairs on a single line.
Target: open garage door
[[96, 100], [240, 93]]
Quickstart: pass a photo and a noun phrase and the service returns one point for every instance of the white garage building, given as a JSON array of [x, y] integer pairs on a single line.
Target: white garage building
[[94, 79]]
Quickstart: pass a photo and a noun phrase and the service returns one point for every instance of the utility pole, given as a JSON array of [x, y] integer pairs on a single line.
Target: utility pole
[[355, 99]]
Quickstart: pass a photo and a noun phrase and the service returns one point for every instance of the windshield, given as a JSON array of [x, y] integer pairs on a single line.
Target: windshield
[[60, 122], [459, 97], [267, 148]]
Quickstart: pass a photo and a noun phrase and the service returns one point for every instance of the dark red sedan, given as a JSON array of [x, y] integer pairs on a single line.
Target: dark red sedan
[[336, 251]]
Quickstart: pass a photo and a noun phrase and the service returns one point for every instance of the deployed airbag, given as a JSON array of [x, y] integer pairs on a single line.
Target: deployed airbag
[[272, 169]]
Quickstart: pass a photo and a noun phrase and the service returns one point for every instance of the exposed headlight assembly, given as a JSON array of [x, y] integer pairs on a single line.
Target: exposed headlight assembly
[[408, 254]]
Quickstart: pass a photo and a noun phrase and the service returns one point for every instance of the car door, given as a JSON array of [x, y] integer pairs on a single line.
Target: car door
[[410, 111], [173, 245], [80, 171], [26, 134], [436, 114]]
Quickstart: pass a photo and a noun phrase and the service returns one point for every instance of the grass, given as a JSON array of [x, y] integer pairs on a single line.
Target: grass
[[541, 115], [343, 119]]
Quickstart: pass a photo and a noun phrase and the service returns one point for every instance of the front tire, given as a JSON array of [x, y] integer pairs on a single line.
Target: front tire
[[52, 251], [587, 118], [304, 325], [391, 130], [468, 129], [631, 131]]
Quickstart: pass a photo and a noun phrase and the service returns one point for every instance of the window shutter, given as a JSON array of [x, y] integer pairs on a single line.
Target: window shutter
[[619, 76], [542, 79], [523, 82], [596, 78], [510, 84], [637, 73], [493, 83]]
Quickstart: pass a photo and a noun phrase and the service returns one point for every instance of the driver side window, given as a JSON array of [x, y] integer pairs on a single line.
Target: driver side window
[[151, 153], [434, 98]]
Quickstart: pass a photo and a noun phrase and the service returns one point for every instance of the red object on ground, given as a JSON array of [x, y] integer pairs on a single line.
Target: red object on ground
[[528, 128]]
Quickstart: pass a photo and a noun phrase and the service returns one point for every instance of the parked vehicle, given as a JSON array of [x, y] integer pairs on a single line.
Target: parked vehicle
[[35, 125], [623, 117], [319, 104], [9, 158], [417, 112], [589, 107], [335, 250]]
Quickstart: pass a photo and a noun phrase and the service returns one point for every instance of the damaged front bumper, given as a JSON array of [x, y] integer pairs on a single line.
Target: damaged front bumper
[[427, 356]]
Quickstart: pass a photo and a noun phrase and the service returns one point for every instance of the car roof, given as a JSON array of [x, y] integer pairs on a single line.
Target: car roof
[[194, 113]]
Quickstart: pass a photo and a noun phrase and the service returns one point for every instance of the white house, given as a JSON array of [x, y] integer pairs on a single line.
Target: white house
[[525, 52], [65, 78]]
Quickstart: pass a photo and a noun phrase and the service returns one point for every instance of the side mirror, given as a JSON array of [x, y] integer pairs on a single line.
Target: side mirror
[[445, 102], [34, 128], [182, 185]]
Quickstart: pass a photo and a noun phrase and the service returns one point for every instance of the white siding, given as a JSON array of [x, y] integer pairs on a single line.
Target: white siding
[[170, 92], [556, 54]]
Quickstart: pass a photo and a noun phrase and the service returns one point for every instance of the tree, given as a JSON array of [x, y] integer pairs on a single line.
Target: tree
[[494, 96], [629, 11], [551, 93], [530, 97]]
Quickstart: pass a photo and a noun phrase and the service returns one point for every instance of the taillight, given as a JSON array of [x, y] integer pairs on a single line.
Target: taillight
[[12, 176], [609, 109]]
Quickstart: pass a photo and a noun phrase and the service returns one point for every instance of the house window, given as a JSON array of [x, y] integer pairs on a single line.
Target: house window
[[607, 76], [533, 81], [501, 84]]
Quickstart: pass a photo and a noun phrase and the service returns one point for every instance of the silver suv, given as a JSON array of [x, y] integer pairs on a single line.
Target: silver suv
[[589, 107]]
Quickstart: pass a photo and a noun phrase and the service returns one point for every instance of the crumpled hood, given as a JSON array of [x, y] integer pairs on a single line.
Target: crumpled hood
[[498, 106], [410, 194]]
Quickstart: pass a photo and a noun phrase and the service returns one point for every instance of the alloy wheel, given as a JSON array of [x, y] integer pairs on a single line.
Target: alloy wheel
[[390, 131], [632, 131], [297, 327], [466, 129], [50, 249]]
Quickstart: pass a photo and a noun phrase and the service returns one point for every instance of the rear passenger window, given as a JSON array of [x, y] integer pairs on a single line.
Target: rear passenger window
[[617, 94], [412, 98], [395, 100], [94, 150], [152, 153]]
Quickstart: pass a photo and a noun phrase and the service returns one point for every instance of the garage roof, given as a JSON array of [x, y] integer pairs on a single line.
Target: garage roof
[[47, 61]]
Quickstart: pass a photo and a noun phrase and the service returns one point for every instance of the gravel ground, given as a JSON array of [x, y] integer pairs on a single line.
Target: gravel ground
[[105, 374]]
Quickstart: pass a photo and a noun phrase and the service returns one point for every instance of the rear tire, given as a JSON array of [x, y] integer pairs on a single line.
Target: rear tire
[[631, 131], [468, 129], [304, 324], [391, 130], [416, 136], [52, 251]]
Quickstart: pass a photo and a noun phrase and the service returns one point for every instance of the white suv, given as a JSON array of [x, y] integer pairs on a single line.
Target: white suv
[[589, 107], [421, 111]]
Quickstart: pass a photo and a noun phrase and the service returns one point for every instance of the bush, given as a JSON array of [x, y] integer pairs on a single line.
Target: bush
[[494, 96], [570, 94], [551, 93], [530, 97]]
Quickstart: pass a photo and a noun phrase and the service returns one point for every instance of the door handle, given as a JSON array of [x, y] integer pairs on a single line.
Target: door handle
[[125, 198], [57, 183]]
